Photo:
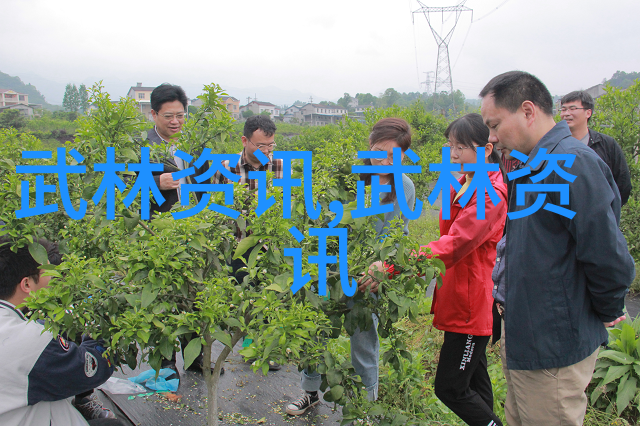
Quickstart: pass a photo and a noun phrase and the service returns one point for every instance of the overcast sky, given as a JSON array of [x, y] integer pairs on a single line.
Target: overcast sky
[[290, 49]]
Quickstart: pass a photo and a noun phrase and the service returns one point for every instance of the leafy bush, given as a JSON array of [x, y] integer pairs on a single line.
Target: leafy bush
[[615, 384]]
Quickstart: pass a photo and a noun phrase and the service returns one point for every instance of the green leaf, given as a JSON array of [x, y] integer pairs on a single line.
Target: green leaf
[[333, 377], [439, 264], [617, 356], [232, 322], [132, 299], [251, 263], [192, 351], [276, 287], [626, 392], [384, 253], [628, 338], [334, 394], [38, 252], [245, 245], [131, 222], [148, 295], [615, 372], [376, 410], [223, 338]]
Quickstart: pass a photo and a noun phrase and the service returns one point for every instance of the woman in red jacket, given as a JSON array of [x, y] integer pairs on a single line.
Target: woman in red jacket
[[462, 306]]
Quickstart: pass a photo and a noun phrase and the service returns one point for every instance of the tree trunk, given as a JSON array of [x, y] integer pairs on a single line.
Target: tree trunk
[[212, 379]]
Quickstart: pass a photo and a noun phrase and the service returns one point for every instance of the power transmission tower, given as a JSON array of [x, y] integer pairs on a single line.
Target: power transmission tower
[[443, 81], [427, 82]]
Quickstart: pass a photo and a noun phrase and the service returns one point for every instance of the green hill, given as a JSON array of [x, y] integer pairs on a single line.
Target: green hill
[[35, 97], [623, 80]]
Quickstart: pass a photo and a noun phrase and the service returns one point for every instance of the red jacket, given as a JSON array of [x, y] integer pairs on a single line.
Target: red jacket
[[467, 247]]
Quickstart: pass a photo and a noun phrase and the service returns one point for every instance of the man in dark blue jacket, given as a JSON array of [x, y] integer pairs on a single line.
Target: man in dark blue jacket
[[566, 277]]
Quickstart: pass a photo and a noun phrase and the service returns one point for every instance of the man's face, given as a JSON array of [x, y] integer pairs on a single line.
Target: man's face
[[575, 115], [507, 130], [169, 119], [43, 281], [258, 141]]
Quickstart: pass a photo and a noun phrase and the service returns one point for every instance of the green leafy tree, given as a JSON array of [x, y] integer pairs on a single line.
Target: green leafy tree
[[247, 113], [344, 101], [389, 98], [12, 118], [140, 285], [623, 80], [366, 99], [71, 100], [617, 114], [83, 99]]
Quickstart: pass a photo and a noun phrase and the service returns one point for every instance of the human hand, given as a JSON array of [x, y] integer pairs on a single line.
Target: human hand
[[166, 182], [614, 322], [369, 280]]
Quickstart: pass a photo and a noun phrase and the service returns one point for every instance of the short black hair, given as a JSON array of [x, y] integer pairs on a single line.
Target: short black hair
[[14, 266], [579, 95], [261, 122], [512, 88], [167, 93]]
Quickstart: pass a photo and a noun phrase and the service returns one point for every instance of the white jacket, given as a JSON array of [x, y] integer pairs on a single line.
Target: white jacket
[[38, 373]]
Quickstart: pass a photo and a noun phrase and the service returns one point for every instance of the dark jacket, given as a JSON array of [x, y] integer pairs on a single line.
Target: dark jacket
[[608, 149], [564, 277], [170, 166]]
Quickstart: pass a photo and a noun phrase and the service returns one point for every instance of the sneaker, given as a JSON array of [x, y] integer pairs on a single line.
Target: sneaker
[[172, 365], [91, 408], [274, 366], [299, 407]]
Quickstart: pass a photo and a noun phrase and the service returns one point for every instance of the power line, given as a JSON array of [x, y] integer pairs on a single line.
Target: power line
[[496, 8]]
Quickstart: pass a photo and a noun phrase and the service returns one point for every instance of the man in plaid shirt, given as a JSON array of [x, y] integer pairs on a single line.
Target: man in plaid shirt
[[259, 133]]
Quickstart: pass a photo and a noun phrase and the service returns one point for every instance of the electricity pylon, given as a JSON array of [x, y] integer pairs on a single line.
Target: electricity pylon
[[427, 82], [443, 81]]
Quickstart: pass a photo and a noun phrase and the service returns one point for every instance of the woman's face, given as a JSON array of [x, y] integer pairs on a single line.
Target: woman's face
[[386, 146], [463, 154]]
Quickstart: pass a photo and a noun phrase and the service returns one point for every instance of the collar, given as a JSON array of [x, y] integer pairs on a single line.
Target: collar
[[245, 162], [10, 306], [155, 129], [549, 141]]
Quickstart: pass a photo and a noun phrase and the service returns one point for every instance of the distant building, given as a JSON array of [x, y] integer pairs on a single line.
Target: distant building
[[258, 107], [293, 114], [596, 91], [143, 96], [233, 106], [11, 97], [320, 115], [26, 110]]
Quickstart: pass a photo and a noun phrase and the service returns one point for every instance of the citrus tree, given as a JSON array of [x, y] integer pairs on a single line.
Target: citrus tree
[[142, 285]]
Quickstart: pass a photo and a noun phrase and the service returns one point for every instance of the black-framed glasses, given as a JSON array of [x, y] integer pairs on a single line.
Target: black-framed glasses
[[571, 108], [266, 145]]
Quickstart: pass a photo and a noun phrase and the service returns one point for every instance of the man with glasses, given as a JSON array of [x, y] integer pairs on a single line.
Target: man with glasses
[[259, 133], [168, 105], [576, 110]]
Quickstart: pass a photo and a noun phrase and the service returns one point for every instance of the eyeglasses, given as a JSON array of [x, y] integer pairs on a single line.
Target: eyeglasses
[[261, 146], [571, 108], [458, 150], [380, 160], [179, 116]]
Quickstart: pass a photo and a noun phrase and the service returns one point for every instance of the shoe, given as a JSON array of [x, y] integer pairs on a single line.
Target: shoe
[[91, 408], [299, 407], [274, 366], [171, 365]]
